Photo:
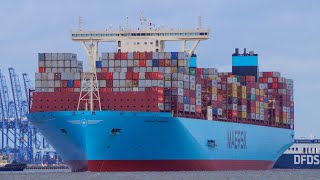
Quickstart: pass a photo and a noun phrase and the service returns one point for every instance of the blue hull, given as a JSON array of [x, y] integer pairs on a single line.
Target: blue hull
[[82, 137], [298, 161]]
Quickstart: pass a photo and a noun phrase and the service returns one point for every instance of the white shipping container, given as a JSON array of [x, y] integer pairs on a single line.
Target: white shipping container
[[198, 94], [192, 108], [142, 83], [128, 89], [111, 55], [60, 56], [261, 117], [180, 77], [54, 64], [160, 105], [67, 63], [219, 111], [47, 56], [136, 69], [50, 84], [244, 108], [124, 63], [69, 70], [44, 83], [76, 89], [142, 89], [186, 63], [42, 63], [136, 63], [117, 69], [192, 86], [186, 78], [167, 70], [50, 89], [192, 79], [122, 89], [149, 63], [198, 102], [155, 69], [142, 75], [60, 64], [186, 107], [111, 69], [130, 63], [161, 69], [122, 75], [116, 83], [143, 69], [44, 76], [50, 76], [57, 83], [111, 63], [37, 76], [130, 55], [38, 83], [116, 89], [149, 69], [154, 83], [128, 83], [104, 63], [76, 76], [214, 97], [148, 83], [235, 107], [180, 91], [124, 70], [160, 83], [60, 70], [48, 64], [180, 84], [174, 84], [122, 83], [167, 84], [116, 75], [117, 63], [135, 89], [102, 83], [198, 87]]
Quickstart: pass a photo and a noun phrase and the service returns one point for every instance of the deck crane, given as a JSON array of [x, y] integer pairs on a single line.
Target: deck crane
[[4, 101]]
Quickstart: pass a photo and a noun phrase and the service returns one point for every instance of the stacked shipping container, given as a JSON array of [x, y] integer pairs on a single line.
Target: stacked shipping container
[[169, 82]]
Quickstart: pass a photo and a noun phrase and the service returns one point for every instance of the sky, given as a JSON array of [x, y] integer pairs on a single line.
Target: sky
[[284, 33]]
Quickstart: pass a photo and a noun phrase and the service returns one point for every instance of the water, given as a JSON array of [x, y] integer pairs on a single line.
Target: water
[[229, 175]]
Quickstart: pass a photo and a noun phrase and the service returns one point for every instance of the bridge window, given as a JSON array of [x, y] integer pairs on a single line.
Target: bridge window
[[157, 43], [119, 43], [296, 149]]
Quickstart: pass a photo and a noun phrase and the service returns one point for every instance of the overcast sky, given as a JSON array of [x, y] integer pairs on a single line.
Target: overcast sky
[[284, 33]]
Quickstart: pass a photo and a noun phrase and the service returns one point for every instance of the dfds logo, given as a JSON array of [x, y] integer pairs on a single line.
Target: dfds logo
[[306, 159]]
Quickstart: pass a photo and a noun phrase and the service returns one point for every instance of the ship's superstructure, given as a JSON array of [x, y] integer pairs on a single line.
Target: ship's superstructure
[[142, 108]]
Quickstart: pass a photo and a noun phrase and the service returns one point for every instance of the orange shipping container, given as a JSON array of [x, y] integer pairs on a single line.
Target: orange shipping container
[[77, 83]]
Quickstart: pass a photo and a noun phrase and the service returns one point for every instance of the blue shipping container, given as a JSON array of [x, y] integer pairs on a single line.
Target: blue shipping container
[[215, 111], [174, 55], [99, 64], [193, 61], [181, 70], [174, 63], [155, 62], [186, 100], [70, 84]]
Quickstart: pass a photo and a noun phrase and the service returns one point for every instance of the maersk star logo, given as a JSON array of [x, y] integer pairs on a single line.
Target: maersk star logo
[[84, 122]]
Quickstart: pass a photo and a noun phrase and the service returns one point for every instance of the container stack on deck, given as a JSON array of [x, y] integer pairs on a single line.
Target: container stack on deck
[[167, 82]]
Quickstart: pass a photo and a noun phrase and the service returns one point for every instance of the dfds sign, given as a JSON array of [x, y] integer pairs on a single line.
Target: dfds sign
[[307, 159]]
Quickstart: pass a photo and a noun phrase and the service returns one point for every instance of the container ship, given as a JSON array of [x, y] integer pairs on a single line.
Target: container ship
[[142, 108], [303, 154]]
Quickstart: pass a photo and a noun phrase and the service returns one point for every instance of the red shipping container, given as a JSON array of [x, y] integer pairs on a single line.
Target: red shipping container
[[103, 90], [109, 75], [77, 83], [142, 63], [117, 56], [261, 98], [274, 85], [275, 79], [198, 109], [128, 75], [148, 75], [135, 75], [199, 71], [109, 83], [124, 56], [104, 69], [142, 55], [136, 55], [64, 84], [161, 62], [109, 89], [149, 55], [42, 70], [186, 92], [129, 69], [70, 89]]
